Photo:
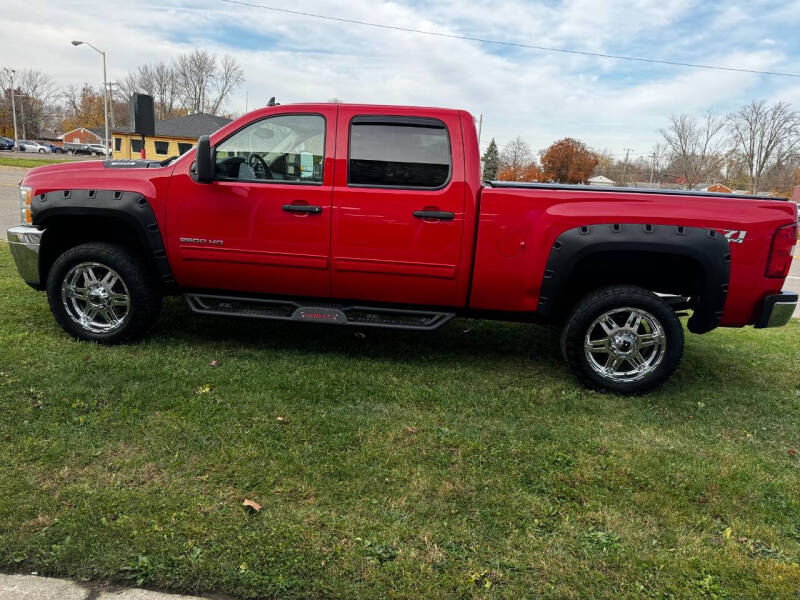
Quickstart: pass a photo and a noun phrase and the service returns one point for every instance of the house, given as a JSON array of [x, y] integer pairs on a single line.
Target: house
[[718, 188], [600, 181], [172, 137], [83, 135]]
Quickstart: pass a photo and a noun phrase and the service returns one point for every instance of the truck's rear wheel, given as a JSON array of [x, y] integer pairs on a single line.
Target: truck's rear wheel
[[101, 292], [622, 339]]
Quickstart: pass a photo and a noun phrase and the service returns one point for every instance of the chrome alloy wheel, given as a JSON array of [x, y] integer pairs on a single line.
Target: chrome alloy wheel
[[625, 344], [96, 297]]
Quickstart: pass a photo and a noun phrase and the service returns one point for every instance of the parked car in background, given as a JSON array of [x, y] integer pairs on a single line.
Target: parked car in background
[[6, 144], [53, 148], [77, 148], [29, 146], [99, 149]]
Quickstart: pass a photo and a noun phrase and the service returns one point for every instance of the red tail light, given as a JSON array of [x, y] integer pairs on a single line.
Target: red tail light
[[782, 250]]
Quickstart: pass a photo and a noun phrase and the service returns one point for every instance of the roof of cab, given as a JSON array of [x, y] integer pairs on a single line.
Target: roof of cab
[[369, 108]]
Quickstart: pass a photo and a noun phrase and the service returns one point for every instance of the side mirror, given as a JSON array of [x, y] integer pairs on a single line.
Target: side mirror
[[204, 163]]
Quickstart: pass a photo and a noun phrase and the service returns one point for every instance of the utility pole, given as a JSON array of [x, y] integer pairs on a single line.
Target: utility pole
[[22, 109], [625, 168], [111, 116], [654, 156], [13, 104]]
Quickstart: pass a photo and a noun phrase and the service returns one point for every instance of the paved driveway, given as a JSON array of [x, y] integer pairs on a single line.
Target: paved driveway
[[793, 282], [9, 204]]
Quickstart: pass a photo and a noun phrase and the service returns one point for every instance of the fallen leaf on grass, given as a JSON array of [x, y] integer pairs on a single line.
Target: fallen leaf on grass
[[792, 452], [213, 363], [283, 420], [411, 429], [250, 504], [204, 389]]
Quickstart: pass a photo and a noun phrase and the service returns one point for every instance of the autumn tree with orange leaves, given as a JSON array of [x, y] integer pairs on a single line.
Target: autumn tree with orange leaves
[[568, 161]]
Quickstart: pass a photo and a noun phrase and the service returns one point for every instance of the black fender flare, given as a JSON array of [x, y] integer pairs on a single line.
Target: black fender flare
[[129, 207], [707, 247]]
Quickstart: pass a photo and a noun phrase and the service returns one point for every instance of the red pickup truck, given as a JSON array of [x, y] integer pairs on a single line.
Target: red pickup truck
[[376, 216]]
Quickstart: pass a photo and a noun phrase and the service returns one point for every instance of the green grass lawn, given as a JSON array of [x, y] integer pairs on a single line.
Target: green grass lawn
[[460, 463], [13, 161]]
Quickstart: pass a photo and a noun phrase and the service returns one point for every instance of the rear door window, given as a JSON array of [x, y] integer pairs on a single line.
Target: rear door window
[[399, 152]]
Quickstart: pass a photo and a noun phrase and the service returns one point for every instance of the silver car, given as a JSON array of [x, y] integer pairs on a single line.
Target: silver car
[[29, 146], [99, 149]]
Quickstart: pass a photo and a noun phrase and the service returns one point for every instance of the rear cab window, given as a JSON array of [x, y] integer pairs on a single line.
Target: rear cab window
[[399, 152]]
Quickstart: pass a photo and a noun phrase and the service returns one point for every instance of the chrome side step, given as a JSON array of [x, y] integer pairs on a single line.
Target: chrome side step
[[336, 314]]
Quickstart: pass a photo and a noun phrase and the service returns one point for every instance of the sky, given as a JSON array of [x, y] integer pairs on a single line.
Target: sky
[[540, 96]]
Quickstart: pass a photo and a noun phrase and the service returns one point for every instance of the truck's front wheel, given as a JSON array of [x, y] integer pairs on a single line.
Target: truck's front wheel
[[101, 292], [623, 339]]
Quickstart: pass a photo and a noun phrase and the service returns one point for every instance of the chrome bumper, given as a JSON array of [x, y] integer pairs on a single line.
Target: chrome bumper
[[777, 309], [24, 242]]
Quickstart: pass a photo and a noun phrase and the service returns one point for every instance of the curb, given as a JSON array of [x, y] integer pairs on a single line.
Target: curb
[[33, 587]]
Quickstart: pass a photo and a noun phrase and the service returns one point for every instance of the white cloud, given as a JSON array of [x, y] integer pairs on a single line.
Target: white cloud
[[541, 96]]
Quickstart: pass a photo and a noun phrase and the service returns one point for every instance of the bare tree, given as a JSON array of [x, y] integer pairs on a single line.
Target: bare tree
[[516, 155], [35, 93], [697, 145], [157, 80], [229, 76], [196, 73], [764, 135], [783, 174], [165, 89], [194, 82]]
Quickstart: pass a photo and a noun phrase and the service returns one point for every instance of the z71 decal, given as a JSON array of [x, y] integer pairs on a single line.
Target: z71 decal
[[734, 236]]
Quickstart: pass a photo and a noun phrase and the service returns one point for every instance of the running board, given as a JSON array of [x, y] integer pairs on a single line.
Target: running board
[[336, 314]]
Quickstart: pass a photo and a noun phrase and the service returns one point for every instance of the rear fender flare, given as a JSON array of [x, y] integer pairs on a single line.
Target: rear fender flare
[[707, 247]]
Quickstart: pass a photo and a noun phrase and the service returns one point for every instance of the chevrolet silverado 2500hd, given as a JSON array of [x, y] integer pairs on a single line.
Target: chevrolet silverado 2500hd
[[376, 216]]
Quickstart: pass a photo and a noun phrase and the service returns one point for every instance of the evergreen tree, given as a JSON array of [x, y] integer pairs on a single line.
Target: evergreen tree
[[491, 161]]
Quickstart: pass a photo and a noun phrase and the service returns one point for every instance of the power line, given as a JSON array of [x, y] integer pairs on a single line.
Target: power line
[[501, 43]]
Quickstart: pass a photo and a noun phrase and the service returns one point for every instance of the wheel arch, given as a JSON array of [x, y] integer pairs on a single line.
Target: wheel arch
[[73, 217], [673, 259]]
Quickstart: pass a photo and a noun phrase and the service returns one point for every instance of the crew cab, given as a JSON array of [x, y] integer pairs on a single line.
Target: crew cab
[[376, 216]]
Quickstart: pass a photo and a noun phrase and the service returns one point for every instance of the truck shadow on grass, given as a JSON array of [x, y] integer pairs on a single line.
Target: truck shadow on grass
[[496, 345], [454, 342]]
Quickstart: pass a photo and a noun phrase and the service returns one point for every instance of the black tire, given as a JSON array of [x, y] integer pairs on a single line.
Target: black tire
[[658, 330], [135, 280], [42, 150]]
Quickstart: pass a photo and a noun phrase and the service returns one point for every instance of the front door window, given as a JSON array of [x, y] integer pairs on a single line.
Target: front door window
[[286, 149]]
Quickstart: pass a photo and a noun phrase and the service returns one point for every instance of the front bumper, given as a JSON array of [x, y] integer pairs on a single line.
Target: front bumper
[[777, 309], [24, 242]]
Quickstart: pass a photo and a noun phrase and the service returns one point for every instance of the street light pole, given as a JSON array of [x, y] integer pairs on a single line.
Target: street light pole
[[13, 103], [105, 88]]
